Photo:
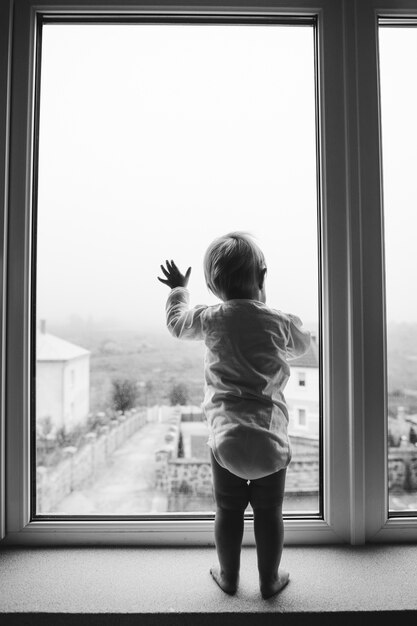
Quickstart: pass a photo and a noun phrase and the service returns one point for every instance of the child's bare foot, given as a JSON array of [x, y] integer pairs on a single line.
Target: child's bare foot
[[275, 586], [226, 585]]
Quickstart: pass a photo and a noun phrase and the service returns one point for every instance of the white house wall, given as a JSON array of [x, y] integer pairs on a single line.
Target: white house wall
[[49, 392], [303, 397], [63, 392], [76, 391]]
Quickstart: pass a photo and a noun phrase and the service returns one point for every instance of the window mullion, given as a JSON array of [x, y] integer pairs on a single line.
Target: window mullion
[[5, 65], [355, 284], [336, 303]]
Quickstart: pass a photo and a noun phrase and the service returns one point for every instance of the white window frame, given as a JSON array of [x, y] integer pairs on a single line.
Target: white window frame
[[354, 432]]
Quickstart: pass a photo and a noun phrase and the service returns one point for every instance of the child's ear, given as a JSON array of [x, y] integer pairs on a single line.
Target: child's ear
[[262, 274]]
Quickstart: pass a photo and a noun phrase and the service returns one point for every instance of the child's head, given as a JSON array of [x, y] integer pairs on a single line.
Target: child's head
[[234, 267]]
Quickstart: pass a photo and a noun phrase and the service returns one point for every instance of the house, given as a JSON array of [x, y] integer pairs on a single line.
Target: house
[[62, 381], [302, 393]]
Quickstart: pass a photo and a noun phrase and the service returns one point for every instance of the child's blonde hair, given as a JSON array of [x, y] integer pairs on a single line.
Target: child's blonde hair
[[232, 264]]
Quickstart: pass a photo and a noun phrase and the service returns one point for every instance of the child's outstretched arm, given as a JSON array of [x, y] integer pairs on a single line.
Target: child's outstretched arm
[[182, 322], [298, 339]]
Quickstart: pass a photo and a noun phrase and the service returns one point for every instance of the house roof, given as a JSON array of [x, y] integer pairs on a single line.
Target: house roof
[[309, 358], [51, 348]]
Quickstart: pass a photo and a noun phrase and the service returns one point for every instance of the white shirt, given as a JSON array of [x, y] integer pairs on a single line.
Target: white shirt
[[246, 370]]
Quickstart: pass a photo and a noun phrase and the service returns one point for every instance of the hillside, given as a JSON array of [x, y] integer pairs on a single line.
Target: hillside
[[157, 362]]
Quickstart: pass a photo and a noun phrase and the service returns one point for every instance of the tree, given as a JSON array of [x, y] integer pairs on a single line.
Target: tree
[[178, 394], [45, 426], [148, 391], [180, 452], [124, 392]]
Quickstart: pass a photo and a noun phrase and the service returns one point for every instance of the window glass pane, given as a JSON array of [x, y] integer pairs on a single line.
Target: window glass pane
[[398, 64], [154, 140]]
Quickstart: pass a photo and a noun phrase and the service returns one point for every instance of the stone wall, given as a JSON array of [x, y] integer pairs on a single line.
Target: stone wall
[[303, 475], [82, 465], [192, 477], [402, 469]]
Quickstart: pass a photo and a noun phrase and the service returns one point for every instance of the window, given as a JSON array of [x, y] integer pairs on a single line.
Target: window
[[302, 417], [354, 503], [301, 379], [398, 53], [141, 124]]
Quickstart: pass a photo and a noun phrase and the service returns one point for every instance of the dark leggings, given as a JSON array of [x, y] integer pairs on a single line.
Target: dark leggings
[[232, 495]]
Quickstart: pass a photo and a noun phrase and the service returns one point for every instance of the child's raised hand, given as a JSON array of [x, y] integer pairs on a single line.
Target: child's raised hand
[[174, 278]]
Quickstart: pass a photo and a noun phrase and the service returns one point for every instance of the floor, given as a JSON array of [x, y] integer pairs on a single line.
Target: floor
[[329, 584]]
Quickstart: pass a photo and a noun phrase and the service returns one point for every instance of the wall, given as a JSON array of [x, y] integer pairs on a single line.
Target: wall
[[402, 469], [191, 478], [49, 392], [62, 391], [307, 397], [76, 391], [81, 465]]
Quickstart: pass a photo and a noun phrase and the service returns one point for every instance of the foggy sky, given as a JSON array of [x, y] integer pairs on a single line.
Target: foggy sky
[[154, 140]]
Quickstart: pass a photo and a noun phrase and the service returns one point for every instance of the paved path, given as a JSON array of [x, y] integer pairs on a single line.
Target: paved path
[[125, 485]]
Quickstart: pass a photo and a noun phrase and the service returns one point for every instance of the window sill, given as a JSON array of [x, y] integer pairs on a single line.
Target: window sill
[[172, 586]]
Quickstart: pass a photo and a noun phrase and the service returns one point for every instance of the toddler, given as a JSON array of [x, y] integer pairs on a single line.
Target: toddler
[[246, 370]]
